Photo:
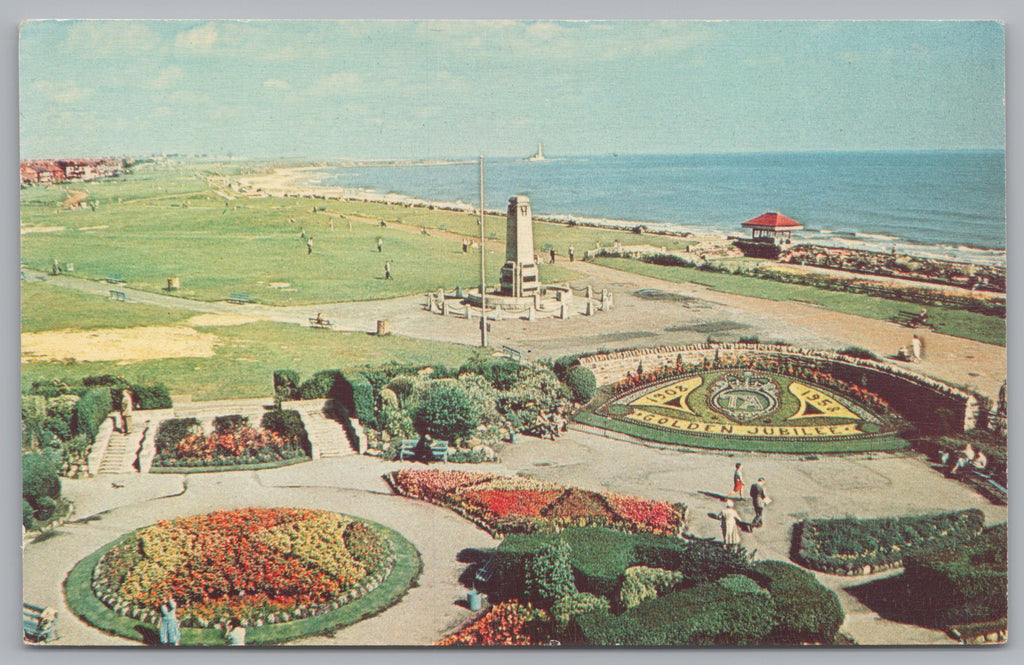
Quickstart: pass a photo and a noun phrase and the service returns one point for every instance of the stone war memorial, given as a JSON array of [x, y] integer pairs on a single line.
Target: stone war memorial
[[687, 376]]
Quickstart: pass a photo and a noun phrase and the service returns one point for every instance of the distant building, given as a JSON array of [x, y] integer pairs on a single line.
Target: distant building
[[48, 171], [772, 225]]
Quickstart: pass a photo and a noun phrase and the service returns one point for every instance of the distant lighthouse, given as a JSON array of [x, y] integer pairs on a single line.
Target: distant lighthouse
[[539, 157]]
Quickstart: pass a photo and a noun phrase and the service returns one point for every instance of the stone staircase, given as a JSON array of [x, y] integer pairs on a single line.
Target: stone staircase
[[327, 437], [122, 451]]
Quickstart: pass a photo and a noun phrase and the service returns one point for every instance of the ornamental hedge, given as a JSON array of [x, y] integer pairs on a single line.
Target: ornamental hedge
[[91, 410], [40, 490], [805, 610], [960, 580], [851, 546], [288, 423], [582, 383]]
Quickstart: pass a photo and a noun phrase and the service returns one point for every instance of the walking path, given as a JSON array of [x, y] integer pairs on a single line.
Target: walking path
[[861, 485], [695, 313]]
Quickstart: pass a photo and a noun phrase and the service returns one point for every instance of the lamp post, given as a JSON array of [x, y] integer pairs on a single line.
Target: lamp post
[[483, 274]]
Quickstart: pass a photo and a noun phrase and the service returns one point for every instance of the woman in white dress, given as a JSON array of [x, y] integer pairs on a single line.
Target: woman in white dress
[[730, 525]]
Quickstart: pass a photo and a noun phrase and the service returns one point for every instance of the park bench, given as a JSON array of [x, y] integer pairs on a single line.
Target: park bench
[[320, 323], [438, 449], [986, 477], [240, 298], [115, 279], [38, 628], [485, 572], [119, 296], [911, 319], [514, 354]]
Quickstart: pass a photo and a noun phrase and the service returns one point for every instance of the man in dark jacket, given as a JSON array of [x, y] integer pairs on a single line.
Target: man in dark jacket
[[760, 499]]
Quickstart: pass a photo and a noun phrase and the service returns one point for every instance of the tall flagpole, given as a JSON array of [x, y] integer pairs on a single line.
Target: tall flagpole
[[483, 274]]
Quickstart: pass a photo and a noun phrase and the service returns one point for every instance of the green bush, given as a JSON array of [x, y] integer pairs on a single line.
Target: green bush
[[40, 488], [230, 423], [91, 410], [362, 400], [446, 411], [806, 611], [51, 388], [151, 396], [549, 575], [173, 430], [705, 615], [501, 373], [848, 544], [641, 583], [859, 352], [562, 365], [582, 382], [286, 384], [60, 427], [573, 604], [287, 423], [328, 383], [960, 580]]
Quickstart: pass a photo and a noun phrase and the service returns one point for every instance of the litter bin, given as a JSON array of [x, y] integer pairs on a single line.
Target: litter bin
[[473, 598]]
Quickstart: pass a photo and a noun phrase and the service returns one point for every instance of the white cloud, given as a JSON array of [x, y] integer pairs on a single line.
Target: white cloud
[[277, 84], [62, 92], [105, 37], [201, 39], [167, 77]]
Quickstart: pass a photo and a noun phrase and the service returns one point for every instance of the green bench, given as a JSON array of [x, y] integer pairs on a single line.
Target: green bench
[[119, 296], [438, 449], [240, 298], [37, 626], [911, 319], [512, 353], [115, 279], [320, 323]]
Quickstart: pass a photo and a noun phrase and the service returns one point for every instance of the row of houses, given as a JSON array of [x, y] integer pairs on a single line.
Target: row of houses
[[46, 171]]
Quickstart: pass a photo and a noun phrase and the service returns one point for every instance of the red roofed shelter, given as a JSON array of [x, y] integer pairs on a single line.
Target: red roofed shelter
[[772, 225]]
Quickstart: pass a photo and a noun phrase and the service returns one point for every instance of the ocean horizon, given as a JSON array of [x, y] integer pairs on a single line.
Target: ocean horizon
[[940, 204]]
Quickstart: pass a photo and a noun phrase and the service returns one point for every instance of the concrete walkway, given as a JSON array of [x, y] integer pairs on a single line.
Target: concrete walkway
[[866, 485]]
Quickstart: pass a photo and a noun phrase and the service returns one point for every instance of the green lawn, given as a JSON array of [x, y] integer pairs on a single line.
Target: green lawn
[[169, 222], [949, 321], [245, 355]]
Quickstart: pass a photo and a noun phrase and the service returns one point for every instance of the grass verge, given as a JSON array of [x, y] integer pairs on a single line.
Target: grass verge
[[948, 321]]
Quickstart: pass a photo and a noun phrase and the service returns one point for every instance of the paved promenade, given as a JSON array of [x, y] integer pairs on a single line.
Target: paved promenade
[[865, 485]]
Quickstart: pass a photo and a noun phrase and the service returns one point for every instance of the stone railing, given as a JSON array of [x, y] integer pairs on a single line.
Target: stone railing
[[928, 403]]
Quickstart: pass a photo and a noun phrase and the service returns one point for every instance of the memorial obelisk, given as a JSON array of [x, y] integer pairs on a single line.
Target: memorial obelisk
[[519, 276]]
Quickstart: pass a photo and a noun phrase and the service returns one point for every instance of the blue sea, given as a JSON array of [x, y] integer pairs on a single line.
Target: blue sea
[[940, 204]]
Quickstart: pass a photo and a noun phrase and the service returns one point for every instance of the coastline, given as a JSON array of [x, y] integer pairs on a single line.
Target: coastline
[[296, 181]]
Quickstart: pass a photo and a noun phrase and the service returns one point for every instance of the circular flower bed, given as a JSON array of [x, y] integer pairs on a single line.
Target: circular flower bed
[[262, 566]]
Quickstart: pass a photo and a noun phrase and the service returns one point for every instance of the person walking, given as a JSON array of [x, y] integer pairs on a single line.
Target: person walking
[[737, 480], [552, 252], [387, 270], [170, 629], [126, 411], [380, 244], [309, 245], [572, 253], [730, 525], [465, 246], [759, 497], [915, 345]]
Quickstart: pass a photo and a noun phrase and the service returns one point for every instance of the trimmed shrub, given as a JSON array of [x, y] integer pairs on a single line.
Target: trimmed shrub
[[806, 610], [446, 412], [173, 430], [324, 384], [562, 365], [60, 427], [51, 388], [850, 544], [230, 423], [91, 410], [287, 423], [151, 396], [286, 384], [959, 581], [573, 604], [40, 488], [362, 400], [62, 407], [641, 583], [582, 382], [859, 352], [501, 373], [706, 615], [549, 575]]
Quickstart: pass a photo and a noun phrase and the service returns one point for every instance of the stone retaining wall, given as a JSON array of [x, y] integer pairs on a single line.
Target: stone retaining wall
[[930, 404]]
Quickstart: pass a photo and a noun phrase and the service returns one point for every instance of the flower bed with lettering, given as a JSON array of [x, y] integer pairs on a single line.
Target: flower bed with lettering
[[262, 566], [503, 504]]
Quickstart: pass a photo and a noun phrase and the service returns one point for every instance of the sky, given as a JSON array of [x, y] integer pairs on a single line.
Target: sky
[[456, 89]]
